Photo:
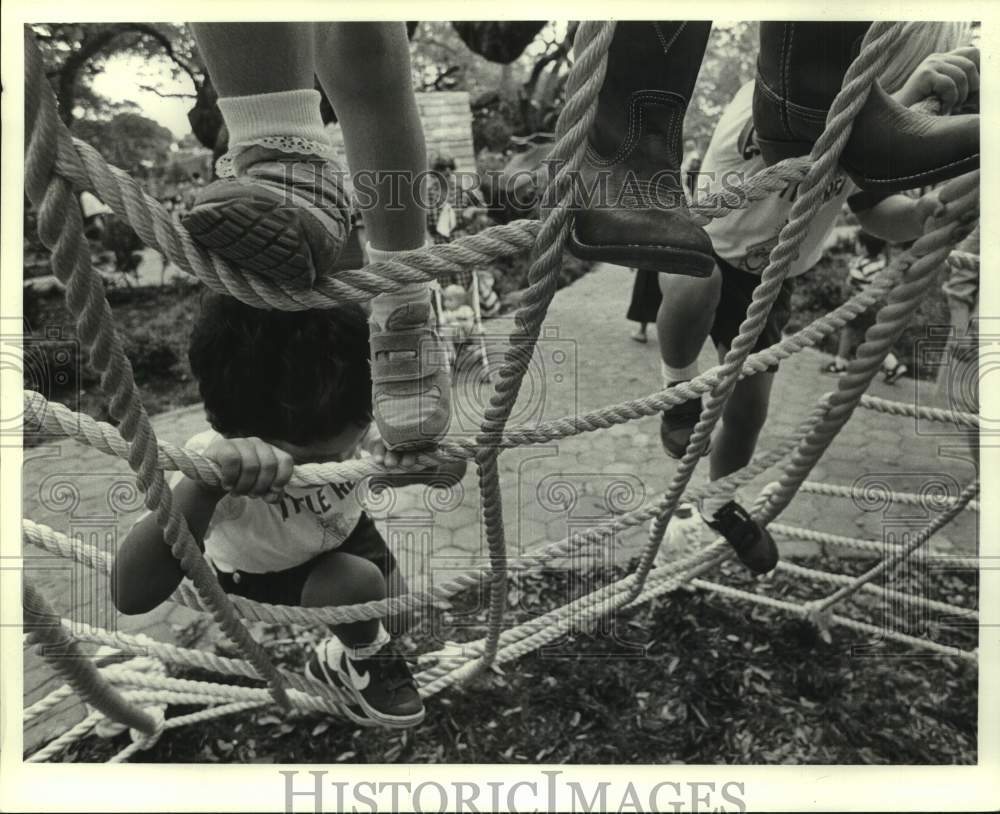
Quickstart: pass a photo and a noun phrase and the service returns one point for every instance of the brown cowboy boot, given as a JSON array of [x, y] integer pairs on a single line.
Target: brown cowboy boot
[[800, 70], [631, 205]]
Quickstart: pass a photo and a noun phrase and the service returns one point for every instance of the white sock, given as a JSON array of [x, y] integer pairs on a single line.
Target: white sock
[[366, 651], [710, 505], [673, 375], [290, 113], [384, 304]]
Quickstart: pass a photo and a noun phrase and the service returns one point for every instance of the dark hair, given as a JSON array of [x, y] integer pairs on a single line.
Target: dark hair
[[873, 245], [295, 376], [443, 162]]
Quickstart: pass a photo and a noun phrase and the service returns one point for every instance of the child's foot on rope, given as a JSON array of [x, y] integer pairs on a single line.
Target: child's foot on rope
[[283, 216], [834, 368], [891, 375], [753, 543], [411, 380], [381, 684], [676, 425]]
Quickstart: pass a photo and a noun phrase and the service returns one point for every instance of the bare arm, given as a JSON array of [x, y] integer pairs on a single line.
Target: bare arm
[[897, 219], [145, 571]]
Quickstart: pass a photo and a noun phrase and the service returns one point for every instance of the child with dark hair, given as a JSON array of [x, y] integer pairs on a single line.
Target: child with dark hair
[[281, 389]]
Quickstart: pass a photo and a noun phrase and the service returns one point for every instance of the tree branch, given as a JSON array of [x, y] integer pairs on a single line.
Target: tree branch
[[163, 95]]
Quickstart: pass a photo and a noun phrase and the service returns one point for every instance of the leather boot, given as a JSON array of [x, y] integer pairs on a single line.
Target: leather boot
[[800, 69], [631, 205]]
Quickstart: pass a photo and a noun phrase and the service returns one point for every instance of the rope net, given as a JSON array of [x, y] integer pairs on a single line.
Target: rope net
[[58, 168]]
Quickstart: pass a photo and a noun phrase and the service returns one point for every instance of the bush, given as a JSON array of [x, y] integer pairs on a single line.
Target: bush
[[153, 355], [824, 288], [121, 240]]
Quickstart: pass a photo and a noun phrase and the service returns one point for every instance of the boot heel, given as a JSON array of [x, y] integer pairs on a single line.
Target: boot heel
[[773, 150]]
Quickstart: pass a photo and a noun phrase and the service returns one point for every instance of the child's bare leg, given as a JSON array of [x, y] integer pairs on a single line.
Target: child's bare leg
[[365, 70], [683, 323], [685, 318], [244, 59], [346, 579], [363, 662]]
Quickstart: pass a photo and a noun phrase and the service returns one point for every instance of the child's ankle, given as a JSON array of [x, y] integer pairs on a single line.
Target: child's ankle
[[675, 375], [710, 505], [383, 305], [272, 125], [357, 652]]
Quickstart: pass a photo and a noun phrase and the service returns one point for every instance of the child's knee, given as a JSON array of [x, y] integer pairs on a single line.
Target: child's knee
[[128, 595], [343, 579]]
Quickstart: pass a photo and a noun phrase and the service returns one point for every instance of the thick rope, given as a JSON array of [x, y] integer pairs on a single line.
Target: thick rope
[[63, 655], [801, 610], [136, 442], [918, 263], [60, 228], [825, 154], [931, 498], [875, 547], [896, 557], [47, 539], [575, 119], [878, 590], [54, 419]]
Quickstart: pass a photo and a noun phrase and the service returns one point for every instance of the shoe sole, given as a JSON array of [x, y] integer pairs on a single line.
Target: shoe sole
[[774, 150], [374, 716], [344, 708], [664, 259], [254, 235]]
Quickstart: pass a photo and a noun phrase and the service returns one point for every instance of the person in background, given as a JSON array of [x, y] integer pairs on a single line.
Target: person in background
[[452, 212], [871, 258]]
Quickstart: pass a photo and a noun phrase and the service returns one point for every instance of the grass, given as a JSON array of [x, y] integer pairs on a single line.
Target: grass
[[691, 678]]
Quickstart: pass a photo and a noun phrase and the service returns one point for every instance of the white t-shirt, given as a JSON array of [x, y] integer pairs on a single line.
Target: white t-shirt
[[247, 534], [744, 238]]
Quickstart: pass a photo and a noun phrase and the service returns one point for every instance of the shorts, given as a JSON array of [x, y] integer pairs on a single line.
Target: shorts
[[285, 587], [737, 291]]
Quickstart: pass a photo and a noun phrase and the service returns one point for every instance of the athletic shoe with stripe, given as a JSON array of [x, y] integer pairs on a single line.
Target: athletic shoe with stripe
[[382, 687]]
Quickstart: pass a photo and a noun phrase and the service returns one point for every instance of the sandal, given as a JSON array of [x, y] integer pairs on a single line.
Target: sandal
[[284, 218], [411, 379], [753, 543]]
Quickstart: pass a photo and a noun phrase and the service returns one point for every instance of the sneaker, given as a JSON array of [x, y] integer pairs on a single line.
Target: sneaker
[[753, 543], [285, 217], [411, 378], [328, 652], [890, 376], [382, 686], [833, 369], [676, 425]]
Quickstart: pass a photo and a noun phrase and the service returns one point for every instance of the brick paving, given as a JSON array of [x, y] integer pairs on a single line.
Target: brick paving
[[585, 360]]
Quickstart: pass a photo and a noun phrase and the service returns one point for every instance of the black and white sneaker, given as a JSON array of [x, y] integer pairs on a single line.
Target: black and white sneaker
[[753, 543], [382, 686]]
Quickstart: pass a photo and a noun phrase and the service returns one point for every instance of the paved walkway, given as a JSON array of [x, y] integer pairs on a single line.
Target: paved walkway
[[585, 360]]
